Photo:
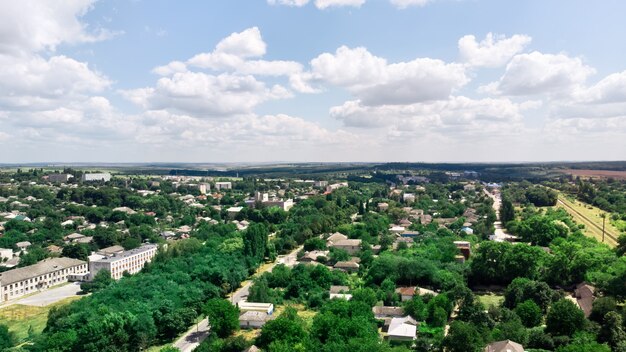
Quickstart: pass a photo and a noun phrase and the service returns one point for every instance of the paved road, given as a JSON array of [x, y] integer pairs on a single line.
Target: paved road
[[200, 331], [499, 234], [47, 297]]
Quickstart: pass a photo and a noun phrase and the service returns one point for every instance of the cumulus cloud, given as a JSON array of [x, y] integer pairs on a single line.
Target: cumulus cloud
[[457, 111], [30, 25], [234, 54], [403, 4], [205, 95], [611, 89], [493, 51], [375, 82], [537, 73]]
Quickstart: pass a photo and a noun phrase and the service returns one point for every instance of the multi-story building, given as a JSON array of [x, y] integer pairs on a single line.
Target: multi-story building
[[29, 279], [61, 178], [223, 185], [131, 261], [96, 177]]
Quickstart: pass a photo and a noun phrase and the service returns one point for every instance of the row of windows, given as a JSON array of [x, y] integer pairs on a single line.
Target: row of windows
[[56, 274]]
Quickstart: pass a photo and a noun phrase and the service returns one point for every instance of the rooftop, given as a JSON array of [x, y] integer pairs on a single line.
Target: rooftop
[[44, 267], [116, 257]]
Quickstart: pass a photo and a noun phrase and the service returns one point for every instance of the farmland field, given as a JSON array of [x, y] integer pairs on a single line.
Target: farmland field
[[596, 173], [590, 217]]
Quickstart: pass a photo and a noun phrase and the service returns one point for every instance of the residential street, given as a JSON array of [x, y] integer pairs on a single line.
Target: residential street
[[199, 332], [499, 234]]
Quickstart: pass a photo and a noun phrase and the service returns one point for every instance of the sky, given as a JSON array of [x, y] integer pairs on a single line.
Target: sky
[[312, 80]]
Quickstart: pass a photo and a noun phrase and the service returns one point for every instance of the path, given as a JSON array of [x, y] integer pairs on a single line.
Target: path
[[49, 296], [499, 235], [200, 331]]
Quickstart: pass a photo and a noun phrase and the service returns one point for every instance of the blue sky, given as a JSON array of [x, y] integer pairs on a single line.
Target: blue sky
[[318, 80]]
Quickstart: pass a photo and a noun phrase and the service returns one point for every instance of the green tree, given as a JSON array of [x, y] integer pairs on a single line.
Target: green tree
[[564, 318], [77, 251], [288, 328], [530, 313], [612, 332], [101, 281], [223, 316], [463, 337], [7, 340]]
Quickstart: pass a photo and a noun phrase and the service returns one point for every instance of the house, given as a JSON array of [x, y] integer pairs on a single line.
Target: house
[[96, 177], [383, 206], [73, 237], [54, 249], [245, 306], [408, 198], [340, 292], [33, 278], [397, 229], [6, 253], [233, 212], [464, 247], [350, 246], [585, 295], [167, 235], [84, 239], [402, 329], [467, 230], [347, 266], [407, 293], [22, 246], [406, 240], [310, 257], [126, 210], [252, 348], [335, 237], [504, 346], [253, 319], [382, 312]]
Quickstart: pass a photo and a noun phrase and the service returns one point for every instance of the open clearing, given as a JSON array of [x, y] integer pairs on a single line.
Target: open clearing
[[589, 216], [491, 299], [596, 173], [20, 318]]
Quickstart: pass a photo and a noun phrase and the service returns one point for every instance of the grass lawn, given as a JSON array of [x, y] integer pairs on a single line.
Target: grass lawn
[[590, 217], [491, 299], [20, 318]]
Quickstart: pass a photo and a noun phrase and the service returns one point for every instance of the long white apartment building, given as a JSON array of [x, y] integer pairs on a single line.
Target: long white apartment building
[[37, 277], [96, 177], [131, 261]]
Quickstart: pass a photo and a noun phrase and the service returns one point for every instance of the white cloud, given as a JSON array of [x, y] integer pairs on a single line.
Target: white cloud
[[403, 4], [537, 73], [375, 82], [611, 89], [244, 44], [205, 95], [493, 51], [295, 3], [31, 25], [170, 69], [457, 111], [36, 83], [323, 4], [233, 54]]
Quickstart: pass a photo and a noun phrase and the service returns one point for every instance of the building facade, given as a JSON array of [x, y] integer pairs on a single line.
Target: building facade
[[131, 261], [96, 177], [33, 278]]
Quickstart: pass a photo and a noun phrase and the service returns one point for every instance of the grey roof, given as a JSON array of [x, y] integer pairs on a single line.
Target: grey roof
[[44, 267], [339, 289], [388, 311], [111, 250], [254, 316], [346, 265], [504, 346], [347, 243], [337, 236], [116, 257]]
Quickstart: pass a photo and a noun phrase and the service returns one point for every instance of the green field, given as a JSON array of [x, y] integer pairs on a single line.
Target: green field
[[589, 216], [490, 299], [20, 318]]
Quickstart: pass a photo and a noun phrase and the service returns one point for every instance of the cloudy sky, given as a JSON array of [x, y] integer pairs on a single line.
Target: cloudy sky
[[312, 80]]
